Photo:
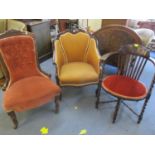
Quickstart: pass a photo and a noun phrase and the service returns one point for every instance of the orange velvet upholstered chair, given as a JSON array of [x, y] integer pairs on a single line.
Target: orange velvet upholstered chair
[[27, 86], [77, 59], [129, 83]]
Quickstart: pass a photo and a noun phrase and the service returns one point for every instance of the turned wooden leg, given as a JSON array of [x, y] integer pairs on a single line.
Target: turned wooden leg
[[99, 87], [58, 83], [14, 119], [60, 96], [57, 104], [142, 111], [116, 110], [98, 98], [98, 92]]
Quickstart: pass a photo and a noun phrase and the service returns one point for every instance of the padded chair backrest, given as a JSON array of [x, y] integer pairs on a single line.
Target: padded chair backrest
[[74, 46], [19, 56], [111, 38]]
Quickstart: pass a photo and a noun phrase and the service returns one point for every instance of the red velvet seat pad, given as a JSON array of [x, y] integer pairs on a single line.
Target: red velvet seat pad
[[125, 87]]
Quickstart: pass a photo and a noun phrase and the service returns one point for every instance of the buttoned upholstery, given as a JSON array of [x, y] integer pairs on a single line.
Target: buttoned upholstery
[[28, 87]]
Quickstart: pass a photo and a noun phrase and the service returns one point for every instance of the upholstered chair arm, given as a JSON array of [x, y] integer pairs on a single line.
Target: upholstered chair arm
[[93, 56], [58, 58]]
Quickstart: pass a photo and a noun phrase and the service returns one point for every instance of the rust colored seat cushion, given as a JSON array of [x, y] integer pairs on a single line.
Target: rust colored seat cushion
[[29, 93], [124, 87]]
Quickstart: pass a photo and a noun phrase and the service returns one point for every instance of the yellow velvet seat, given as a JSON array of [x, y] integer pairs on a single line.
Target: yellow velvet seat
[[77, 73], [77, 59]]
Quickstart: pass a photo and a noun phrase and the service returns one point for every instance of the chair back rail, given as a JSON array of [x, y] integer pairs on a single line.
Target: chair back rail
[[131, 65]]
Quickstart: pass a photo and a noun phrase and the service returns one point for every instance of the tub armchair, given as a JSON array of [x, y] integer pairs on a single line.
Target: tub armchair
[[77, 59]]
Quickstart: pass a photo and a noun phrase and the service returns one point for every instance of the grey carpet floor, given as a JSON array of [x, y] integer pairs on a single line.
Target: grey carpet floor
[[77, 112]]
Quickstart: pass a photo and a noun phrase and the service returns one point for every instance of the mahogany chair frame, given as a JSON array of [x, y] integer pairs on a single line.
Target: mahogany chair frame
[[10, 33], [131, 63]]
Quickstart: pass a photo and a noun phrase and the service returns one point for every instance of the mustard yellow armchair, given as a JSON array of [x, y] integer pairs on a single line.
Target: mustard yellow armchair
[[77, 59]]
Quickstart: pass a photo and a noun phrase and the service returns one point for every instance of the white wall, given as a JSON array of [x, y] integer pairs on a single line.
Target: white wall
[[92, 24]]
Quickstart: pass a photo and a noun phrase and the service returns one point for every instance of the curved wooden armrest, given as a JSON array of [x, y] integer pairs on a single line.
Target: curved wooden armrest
[[153, 60], [104, 57]]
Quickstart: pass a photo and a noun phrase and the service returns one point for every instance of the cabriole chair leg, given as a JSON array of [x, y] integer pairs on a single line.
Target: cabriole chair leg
[[56, 104], [14, 119], [116, 111]]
